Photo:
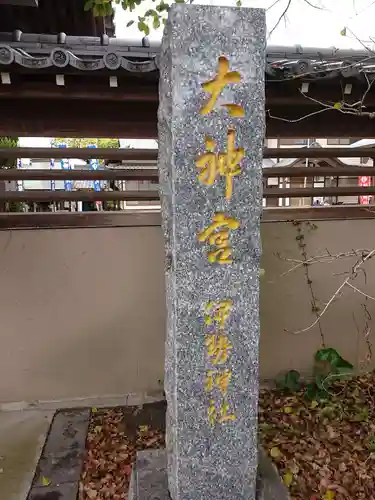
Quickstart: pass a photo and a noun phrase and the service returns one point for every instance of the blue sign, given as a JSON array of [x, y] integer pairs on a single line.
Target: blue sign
[[52, 166], [94, 165], [65, 165], [19, 183]]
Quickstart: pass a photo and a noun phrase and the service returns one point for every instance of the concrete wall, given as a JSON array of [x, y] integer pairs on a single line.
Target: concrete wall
[[82, 310]]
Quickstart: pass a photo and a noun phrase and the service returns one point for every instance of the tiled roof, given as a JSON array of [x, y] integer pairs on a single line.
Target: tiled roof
[[141, 56]]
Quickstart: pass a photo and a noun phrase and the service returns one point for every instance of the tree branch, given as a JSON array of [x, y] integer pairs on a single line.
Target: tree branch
[[338, 292], [281, 17]]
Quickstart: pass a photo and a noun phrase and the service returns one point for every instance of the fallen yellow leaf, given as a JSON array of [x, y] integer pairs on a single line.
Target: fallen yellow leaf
[[143, 428], [329, 495], [314, 404], [288, 479], [288, 409], [275, 452], [45, 481], [94, 410]]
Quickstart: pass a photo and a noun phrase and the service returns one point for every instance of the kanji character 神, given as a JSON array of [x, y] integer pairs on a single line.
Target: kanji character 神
[[226, 164]]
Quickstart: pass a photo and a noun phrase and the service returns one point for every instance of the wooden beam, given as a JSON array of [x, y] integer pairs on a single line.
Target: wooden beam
[[20, 3], [138, 120], [321, 213], [317, 191], [79, 220], [151, 174], [83, 118], [146, 174], [95, 86], [40, 196], [130, 154], [341, 152], [288, 93], [85, 89], [349, 171], [306, 122]]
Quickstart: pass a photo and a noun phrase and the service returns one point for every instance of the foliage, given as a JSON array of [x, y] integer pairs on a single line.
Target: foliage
[[323, 450], [10, 142], [290, 382], [151, 19], [83, 143], [114, 438], [329, 367]]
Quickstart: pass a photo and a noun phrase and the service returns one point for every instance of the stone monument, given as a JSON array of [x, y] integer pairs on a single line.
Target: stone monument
[[211, 135]]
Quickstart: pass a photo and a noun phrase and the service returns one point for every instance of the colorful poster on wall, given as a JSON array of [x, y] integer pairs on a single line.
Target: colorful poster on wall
[[364, 181]]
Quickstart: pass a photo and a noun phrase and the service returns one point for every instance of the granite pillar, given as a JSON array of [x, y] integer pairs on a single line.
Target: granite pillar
[[211, 133]]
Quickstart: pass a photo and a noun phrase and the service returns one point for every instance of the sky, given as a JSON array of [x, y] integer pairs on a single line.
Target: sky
[[304, 25]]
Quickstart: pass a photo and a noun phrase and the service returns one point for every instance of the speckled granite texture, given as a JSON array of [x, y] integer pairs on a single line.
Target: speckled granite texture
[[149, 478], [211, 457]]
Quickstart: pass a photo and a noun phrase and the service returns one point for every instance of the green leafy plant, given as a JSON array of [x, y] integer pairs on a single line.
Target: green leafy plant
[[84, 142], [329, 367], [291, 381], [151, 19], [10, 142], [371, 444]]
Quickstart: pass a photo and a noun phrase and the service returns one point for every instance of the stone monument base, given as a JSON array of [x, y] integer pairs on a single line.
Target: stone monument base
[[149, 479]]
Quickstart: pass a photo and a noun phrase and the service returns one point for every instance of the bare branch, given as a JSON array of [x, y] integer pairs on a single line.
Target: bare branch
[[320, 259], [369, 85], [318, 7], [359, 40], [273, 5], [280, 18], [360, 291], [298, 119], [356, 108], [338, 292]]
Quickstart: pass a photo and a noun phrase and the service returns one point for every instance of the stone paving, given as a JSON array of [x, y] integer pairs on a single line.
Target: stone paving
[[22, 436], [59, 469]]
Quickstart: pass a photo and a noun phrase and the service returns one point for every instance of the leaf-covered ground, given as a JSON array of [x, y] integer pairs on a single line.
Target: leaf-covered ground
[[324, 450], [113, 439]]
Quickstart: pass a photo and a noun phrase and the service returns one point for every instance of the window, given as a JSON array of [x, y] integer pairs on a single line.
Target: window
[[343, 141], [293, 142]]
